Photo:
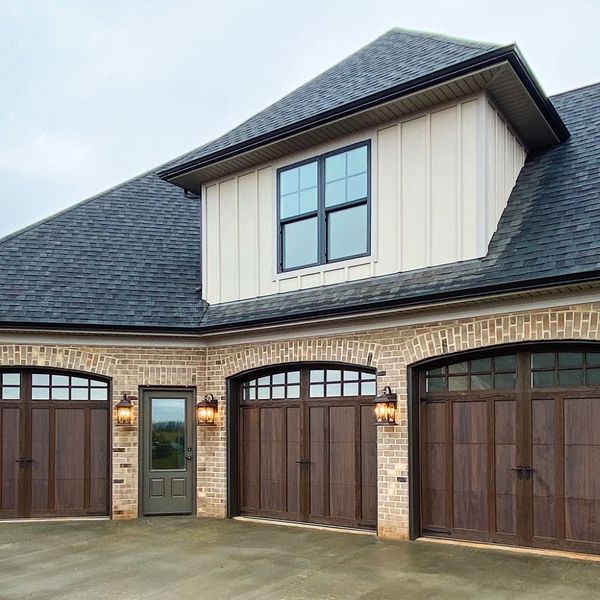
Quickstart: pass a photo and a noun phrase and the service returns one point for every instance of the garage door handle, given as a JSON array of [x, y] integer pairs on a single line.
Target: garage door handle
[[519, 471], [24, 460], [304, 462]]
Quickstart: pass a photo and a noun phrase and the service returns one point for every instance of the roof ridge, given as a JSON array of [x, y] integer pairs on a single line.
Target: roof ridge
[[443, 36], [79, 204]]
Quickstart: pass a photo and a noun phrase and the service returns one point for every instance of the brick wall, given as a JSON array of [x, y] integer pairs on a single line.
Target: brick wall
[[390, 350]]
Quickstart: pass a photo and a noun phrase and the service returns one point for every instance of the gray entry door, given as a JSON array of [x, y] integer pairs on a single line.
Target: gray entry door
[[168, 452]]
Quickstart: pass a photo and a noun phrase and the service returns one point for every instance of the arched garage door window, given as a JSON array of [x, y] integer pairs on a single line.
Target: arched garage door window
[[307, 445], [509, 447], [54, 429]]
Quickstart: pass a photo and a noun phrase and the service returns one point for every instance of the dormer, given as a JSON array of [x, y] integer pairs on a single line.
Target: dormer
[[399, 158]]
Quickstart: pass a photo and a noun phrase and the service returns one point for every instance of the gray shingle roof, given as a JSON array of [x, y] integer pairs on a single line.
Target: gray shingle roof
[[397, 57], [128, 257], [550, 229], [131, 257]]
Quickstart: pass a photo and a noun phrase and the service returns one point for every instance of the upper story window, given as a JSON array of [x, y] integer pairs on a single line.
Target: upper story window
[[324, 208]]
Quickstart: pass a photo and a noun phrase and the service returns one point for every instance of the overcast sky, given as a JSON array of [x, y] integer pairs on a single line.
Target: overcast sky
[[93, 93]]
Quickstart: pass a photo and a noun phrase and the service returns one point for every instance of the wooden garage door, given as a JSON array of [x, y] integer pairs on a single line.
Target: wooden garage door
[[53, 444], [510, 449], [308, 448]]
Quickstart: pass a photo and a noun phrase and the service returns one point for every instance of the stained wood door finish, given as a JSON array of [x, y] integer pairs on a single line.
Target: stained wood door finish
[[310, 459], [516, 466], [54, 445]]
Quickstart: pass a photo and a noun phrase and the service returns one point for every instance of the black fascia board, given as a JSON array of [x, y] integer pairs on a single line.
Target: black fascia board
[[509, 53]]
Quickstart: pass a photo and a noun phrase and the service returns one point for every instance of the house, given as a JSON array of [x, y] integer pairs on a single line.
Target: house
[[416, 229]]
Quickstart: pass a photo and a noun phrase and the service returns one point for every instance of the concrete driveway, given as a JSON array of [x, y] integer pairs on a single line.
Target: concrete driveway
[[185, 558]]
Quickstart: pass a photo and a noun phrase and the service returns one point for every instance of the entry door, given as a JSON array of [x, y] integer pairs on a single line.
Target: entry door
[[169, 452], [308, 447]]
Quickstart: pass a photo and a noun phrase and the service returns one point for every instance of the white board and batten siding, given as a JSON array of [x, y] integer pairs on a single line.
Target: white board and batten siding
[[440, 181]]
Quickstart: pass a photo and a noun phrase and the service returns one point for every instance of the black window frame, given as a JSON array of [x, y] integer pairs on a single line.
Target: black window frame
[[322, 212]]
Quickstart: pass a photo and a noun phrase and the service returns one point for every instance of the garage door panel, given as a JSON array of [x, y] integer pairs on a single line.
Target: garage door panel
[[342, 461], [368, 455], [273, 476], [469, 422], [69, 459], [582, 521], [505, 448], [250, 464], [98, 460], [580, 413], [318, 462], [10, 441], [293, 456], [40, 468]]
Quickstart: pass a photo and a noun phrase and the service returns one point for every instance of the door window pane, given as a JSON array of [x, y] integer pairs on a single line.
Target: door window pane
[[80, 394], [168, 433], [481, 365], [300, 243], [11, 393], [481, 382], [543, 360], [369, 388], [11, 379], [99, 394], [458, 384], [505, 381], [567, 360], [570, 377], [40, 379], [347, 232], [505, 363], [544, 379]]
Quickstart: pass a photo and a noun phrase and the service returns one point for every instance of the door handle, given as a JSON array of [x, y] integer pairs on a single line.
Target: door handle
[[528, 473], [23, 461], [188, 457], [303, 462], [519, 471]]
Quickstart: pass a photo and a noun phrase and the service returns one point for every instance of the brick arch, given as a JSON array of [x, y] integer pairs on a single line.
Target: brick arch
[[511, 329], [69, 359], [366, 354]]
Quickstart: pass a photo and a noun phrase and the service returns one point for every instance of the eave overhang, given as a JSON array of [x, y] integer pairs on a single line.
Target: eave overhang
[[502, 73], [566, 282]]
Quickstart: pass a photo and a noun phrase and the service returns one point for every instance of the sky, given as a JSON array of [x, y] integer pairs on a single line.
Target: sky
[[94, 93]]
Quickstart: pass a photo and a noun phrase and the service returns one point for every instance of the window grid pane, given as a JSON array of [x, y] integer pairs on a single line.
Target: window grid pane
[[67, 387], [310, 203], [479, 374], [323, 383]]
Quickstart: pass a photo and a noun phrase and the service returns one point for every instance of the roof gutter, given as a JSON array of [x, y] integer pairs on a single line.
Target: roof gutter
[[507, 53]]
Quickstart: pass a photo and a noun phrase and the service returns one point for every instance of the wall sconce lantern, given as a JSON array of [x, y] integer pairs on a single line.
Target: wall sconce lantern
[[206, 410], [124, 410], [385, 407]]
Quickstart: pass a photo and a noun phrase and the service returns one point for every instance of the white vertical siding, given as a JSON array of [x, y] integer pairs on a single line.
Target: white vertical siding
[[440, 181], [505, 157], [413, 229]]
